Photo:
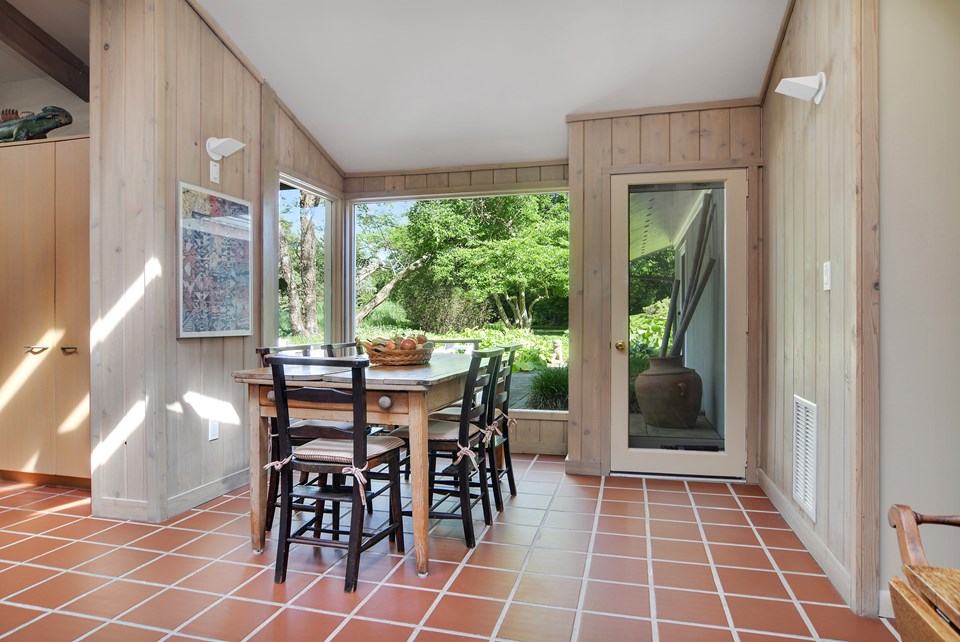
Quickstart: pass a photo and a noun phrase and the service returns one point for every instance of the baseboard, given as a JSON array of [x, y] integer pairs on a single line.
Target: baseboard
[[203, 494], [536, 448], [836, 572], [118, 508], [577, 467], [41, 479]]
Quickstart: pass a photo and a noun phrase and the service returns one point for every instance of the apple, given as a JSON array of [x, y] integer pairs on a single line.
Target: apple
[[408, 344], [421, 338]]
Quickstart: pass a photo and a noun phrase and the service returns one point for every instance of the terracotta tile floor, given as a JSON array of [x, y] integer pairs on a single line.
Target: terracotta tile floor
[[570, 558]]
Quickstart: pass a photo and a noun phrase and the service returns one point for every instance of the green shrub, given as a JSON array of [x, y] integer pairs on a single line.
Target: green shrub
[[550, 389], [438, 307]]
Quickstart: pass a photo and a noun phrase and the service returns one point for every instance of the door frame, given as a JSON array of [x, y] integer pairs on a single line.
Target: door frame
[[755, 326]]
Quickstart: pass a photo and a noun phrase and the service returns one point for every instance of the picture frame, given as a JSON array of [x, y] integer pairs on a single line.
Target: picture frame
[[215, 255]]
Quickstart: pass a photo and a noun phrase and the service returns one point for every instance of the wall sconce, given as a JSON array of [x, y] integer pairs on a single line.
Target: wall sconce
[[217, 148], [804, 87]]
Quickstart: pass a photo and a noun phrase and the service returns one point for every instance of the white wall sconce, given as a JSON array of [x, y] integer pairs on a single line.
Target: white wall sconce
[[804, 87], [217, 148]]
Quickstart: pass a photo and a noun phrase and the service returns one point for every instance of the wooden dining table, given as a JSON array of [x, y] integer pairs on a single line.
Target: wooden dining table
[[396, 395]]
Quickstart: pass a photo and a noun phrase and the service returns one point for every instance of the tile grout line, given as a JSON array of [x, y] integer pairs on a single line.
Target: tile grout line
[[654, 628], [526, 559], [582, 598], [776, 567], [713, 568]]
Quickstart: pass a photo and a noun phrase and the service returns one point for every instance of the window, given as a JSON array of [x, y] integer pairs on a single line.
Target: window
[[303, 262]]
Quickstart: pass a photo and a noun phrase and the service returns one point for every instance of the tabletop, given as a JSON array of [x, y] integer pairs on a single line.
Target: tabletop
[[440, 368]]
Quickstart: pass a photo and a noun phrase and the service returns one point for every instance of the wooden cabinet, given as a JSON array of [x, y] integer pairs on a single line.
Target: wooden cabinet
[[45, 308]]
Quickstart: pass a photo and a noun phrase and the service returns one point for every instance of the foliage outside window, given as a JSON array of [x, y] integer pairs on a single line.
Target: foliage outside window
[[494, 268], [302, 258]]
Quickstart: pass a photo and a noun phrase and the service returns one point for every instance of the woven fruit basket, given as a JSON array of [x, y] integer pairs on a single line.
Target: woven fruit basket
[[381, 354]]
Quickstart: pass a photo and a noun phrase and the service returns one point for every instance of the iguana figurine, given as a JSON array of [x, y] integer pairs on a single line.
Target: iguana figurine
[[34, 125]]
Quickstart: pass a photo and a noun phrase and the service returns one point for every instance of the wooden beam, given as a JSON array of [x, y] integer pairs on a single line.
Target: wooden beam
[[41, 49]]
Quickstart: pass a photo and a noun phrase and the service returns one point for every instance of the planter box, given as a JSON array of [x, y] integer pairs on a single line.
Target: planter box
[[539, 432]]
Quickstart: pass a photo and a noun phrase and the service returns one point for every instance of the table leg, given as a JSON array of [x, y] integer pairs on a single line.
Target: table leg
[[419, 478], [259, 436]]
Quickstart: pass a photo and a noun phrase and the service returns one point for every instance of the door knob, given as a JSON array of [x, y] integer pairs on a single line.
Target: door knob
[[620, 345]]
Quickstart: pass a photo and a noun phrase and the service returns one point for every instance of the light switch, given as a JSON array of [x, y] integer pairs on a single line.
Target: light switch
[[826, 276], [214, 430], [215, 172]]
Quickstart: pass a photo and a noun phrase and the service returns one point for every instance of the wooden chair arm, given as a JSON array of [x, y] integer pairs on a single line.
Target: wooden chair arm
[[907, 522]]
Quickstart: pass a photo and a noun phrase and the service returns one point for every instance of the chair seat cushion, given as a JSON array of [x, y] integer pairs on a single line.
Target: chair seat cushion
[[439, 431], [340, 451]]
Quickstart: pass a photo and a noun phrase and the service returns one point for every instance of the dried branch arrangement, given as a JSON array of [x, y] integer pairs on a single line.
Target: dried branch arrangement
[[698, 282]]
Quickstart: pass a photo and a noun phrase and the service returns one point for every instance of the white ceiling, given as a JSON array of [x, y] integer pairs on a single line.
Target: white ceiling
[[424, 83]]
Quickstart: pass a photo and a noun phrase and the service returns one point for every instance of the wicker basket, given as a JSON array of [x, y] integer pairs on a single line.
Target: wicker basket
[[383, 357]]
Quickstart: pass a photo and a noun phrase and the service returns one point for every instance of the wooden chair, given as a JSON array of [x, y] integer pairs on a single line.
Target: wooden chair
[[273, 479], [342, 349], [461, 344], [348, 457], [462, 442], [500, 438], [917, 619]]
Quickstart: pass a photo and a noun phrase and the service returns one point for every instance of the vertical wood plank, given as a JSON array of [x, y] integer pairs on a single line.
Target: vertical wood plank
[[481, 177], [744, 133], [715, 135], [504, 176], [459, 179], [575, 143], [394, 183], [438, 180], [626, 140], [684, 136], [866, 562], [415, 181], [655, 138], [138, 82], [189, 146], [597, 154], [528, 174]]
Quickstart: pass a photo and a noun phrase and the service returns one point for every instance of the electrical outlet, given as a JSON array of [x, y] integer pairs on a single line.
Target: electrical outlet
[[214, 427], [826, 276], [215, 172]]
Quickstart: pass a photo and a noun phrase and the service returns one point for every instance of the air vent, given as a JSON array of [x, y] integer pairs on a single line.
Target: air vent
[[805, 455]]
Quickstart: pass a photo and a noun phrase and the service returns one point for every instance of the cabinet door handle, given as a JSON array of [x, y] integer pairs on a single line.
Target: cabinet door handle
[[68, 349], [35, 349]]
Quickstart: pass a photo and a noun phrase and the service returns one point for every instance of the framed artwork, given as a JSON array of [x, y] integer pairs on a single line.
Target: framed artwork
[[215, 248]]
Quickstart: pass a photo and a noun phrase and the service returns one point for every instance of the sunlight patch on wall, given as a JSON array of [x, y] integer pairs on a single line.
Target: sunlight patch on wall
[[133, 295], [118, 436], [210, 408]]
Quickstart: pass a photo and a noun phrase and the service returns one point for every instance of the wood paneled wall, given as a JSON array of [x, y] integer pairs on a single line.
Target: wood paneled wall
[[290, 149], [476, 179], [162, 82], [687, 138], [818, 208]]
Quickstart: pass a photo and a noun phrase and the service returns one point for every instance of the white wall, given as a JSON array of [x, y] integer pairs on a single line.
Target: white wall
[[919, 270], [36, 93], [705, 341]]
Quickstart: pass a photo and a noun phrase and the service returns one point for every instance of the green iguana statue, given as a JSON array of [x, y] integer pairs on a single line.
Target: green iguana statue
[[34, 125]]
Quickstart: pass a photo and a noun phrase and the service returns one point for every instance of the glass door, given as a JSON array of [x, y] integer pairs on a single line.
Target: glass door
[[678, 323]]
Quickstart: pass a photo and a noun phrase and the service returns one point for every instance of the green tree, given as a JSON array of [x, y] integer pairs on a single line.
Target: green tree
[[511, 251]]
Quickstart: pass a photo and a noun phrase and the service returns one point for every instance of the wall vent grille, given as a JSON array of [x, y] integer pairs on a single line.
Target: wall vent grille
[[805, 455]]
